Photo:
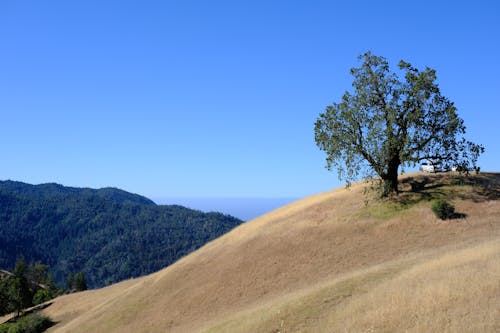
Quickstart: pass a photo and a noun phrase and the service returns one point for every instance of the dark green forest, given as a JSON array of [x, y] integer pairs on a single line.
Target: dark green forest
[[108, 234]]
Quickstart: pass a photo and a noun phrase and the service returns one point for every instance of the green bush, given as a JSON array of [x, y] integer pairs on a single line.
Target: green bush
[[41, 296], [443, 209], [29, 324]]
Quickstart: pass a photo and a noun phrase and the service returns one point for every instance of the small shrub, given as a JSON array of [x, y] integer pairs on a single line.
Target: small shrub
[[41, 296], [4, 328], [29, 324], [443, 209]]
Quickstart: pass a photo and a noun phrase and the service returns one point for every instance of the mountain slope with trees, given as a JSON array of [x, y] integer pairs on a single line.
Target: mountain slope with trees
[[108, 234]]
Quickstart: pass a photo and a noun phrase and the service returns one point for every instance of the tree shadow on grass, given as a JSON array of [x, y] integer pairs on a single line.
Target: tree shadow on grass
[[458, 216], [478, 188], [454, 216]]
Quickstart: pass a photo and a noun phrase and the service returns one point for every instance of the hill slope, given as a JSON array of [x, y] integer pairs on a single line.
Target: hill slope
[[326, 263], [108, 233]]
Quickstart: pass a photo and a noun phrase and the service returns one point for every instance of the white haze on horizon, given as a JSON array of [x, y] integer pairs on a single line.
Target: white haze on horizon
[[242, 208]]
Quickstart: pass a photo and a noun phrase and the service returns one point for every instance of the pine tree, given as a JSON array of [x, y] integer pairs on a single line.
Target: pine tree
[[5, 303], [80, 283], [70, 282], [19, 289]]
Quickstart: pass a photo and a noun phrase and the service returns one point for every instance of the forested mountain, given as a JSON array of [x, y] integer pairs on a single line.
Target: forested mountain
[[109, 234]]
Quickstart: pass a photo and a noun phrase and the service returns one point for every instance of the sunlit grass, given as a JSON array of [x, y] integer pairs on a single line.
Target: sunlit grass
[[455, 291]]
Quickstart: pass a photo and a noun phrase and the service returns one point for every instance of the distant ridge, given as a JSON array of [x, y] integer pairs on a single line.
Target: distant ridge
[[108, 233], [54, 190]]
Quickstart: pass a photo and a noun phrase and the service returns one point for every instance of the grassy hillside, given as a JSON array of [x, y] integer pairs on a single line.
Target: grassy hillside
[[109, 234], [327, 263]]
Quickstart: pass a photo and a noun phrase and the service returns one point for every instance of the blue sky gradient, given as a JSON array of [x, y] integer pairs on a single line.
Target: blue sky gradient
[[209, 99]]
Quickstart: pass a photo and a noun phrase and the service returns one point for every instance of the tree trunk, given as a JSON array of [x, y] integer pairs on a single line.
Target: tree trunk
[[391, 179], [390, 186]]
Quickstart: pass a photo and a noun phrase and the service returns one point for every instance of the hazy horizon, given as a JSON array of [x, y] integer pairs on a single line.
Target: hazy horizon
[[240, 207]]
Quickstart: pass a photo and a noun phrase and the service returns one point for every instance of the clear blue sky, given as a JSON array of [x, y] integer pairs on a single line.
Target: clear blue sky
[[217, 98]]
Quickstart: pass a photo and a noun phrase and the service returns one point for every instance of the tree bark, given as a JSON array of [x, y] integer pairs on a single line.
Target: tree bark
[[391, 179]]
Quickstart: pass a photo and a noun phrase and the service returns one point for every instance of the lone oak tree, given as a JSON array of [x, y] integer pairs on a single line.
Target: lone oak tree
[[388, 122]]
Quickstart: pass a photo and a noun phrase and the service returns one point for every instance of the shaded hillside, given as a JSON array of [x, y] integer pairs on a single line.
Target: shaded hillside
[[108, 233], [327, 263]]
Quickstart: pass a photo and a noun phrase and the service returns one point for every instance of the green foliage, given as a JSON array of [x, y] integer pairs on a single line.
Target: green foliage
[[390, 121], [41, 296], [109, 234], [19, 288], [80, 283], [39, 273], [443, 209], [70, 281], [5, 303], [22, 288], [33, 323]]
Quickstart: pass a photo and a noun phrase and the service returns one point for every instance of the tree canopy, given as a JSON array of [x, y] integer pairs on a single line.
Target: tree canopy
[[80, 283], [392, 120], [20, 289]]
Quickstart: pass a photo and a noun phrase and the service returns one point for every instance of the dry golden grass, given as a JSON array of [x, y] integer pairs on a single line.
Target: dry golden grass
[[456, 292], [326, 263]]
